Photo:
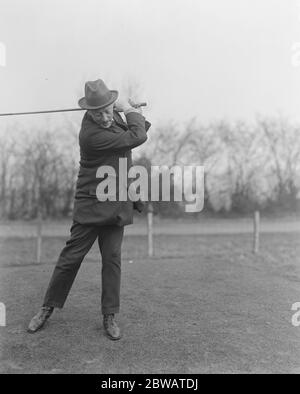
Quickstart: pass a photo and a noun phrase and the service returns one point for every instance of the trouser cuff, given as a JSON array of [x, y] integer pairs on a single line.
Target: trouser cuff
[[109, 311], [53, 305]]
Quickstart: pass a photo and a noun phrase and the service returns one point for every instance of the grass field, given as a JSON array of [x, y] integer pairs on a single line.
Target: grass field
[[203, 304]]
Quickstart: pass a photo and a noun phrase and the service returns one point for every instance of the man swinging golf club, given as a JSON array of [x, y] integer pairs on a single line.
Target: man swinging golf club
[[104, 138]]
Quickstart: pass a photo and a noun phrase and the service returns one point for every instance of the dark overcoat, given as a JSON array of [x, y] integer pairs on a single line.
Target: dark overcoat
[[102, 147]]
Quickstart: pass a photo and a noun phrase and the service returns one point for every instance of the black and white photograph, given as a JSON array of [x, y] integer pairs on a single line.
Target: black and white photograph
[[149, 190]]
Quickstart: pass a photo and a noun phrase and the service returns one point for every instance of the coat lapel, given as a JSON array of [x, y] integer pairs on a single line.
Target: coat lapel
[[119, 121]]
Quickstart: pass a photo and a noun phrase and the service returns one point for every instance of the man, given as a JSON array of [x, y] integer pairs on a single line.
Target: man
[[104, 138]]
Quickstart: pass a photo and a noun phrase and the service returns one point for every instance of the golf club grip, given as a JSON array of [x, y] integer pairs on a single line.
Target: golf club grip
[[137, 105]]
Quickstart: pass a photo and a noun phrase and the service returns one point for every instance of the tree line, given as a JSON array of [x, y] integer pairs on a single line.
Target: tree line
[[247, 165]]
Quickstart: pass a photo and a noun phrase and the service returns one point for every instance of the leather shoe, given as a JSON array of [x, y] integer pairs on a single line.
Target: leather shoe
[[110, 326], [39, 319]]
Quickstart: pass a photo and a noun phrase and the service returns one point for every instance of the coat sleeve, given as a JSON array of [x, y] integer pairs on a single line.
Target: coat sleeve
[[147, 125], [126, 139]]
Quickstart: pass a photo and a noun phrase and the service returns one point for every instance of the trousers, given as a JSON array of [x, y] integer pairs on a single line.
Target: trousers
[[80, 242]]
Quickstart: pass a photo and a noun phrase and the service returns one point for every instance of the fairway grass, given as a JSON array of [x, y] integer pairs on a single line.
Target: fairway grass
[[203, 304]]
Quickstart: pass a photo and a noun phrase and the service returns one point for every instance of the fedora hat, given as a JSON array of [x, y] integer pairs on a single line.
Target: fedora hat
[[97, 95]]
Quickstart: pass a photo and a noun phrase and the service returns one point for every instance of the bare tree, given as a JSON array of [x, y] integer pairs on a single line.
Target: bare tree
[[282, 149], [7, 151]]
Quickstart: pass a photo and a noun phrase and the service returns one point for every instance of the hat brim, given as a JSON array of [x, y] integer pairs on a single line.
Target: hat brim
[[83, 104]]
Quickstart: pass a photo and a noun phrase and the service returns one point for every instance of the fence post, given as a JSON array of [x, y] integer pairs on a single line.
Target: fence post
[[150, 229], [39, 238], [256, 220]]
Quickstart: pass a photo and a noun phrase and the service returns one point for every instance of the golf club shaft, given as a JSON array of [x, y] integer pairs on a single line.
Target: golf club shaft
[[42, 112], [59, 110]]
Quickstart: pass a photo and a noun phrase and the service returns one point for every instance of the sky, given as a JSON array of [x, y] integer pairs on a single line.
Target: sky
[[211, 59]]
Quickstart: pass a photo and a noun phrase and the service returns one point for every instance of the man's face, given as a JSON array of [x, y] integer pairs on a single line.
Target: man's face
[[103, 117]]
